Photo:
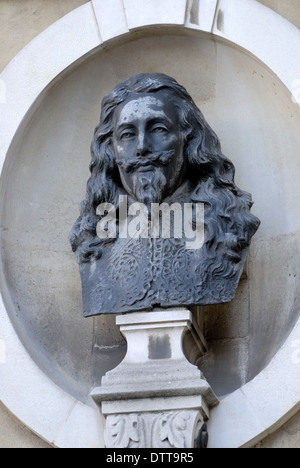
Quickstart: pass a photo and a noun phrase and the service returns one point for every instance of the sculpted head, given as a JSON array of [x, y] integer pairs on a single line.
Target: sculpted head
[[148, 146], [151, 138]]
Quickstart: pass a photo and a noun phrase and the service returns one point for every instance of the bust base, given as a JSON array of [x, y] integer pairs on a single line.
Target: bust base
[[156, 398]]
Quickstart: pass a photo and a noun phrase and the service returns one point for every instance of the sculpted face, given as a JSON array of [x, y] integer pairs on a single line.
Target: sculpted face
[[148, 146]]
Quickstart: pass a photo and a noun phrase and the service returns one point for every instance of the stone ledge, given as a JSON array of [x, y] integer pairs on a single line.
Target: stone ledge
[[142, 405], [132, 391]]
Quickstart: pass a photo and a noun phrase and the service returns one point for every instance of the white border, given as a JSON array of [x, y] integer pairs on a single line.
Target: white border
[[262, 405]]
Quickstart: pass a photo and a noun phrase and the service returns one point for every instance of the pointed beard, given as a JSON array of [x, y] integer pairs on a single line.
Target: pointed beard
[[149, 187]]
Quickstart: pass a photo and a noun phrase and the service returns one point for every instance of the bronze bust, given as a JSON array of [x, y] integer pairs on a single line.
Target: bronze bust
[[153, 152]]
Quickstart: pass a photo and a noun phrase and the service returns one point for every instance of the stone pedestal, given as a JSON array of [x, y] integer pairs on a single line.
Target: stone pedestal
[[156, 398]]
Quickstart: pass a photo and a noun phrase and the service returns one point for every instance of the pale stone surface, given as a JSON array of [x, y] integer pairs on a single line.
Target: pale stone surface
[[258, 104], [19, 96], [147, 404], [148, 12], [272, 265], [201, 14], [54, 283], [33, 398], [289, 9], [14, 435], [286, 437], [231, 431], [105, 11], [40, 403], [250, 25], [276, 390], [160, 321], [21, 21], [83, 429], [267, 401]]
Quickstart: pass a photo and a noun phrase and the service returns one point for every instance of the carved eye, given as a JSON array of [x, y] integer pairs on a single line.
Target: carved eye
[[126, 135], [159, 129]]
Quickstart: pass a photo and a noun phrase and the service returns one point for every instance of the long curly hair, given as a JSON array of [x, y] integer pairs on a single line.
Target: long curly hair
[[229, 225]]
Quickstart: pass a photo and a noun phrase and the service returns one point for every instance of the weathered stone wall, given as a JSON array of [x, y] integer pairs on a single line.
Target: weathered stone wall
[[14, 435], [289, 9], [21, 21], [287, 437]]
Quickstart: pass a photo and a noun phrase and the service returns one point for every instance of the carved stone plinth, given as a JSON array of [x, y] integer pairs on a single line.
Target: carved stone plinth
[[171, 429], [156, 398]]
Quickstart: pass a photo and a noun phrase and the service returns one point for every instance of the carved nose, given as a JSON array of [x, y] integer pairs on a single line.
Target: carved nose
[[142, 145]]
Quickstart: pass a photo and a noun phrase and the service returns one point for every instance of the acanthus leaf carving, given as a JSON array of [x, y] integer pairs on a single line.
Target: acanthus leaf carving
[[125, 431], [171, 430]]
